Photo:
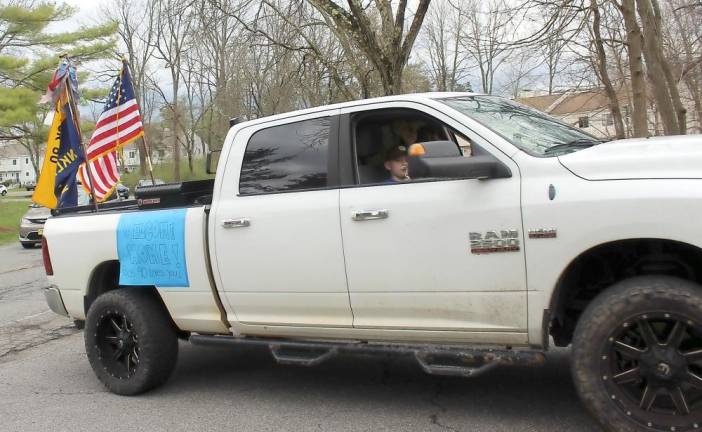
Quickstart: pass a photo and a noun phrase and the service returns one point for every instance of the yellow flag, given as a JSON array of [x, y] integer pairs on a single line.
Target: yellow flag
[[44, 193]]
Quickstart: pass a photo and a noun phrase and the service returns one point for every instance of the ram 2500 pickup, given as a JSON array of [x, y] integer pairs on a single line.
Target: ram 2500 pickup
[[516, 231]]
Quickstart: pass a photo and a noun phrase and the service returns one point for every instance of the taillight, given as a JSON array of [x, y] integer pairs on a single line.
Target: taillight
[[45, 256]]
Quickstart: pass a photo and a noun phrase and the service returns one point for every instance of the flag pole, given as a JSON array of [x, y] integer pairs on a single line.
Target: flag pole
[[143, 137], [76, 118]]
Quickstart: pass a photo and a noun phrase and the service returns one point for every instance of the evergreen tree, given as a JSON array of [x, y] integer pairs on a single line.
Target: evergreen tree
[[29, 55]]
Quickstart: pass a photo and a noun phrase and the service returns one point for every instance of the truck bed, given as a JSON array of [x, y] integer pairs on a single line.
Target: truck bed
[[170, 195]]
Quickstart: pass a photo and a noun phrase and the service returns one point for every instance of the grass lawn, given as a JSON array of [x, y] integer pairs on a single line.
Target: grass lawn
[[11, 211], [165, 172]]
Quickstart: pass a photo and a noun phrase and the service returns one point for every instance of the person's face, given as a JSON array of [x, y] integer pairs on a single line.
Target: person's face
[[408, 132], [398, 168]]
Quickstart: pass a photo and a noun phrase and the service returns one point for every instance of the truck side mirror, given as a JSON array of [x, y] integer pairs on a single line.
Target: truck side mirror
[[212, 161], [443, 160]]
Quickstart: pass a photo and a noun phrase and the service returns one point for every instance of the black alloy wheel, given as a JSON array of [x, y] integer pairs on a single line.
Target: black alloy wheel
[[131, 342], [637, 355], [652, 368], [117, 345]]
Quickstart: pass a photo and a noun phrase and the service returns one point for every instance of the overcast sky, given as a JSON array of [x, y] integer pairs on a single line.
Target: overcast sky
[[87, 10]]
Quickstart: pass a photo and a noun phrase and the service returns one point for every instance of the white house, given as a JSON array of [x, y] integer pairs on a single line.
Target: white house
[[589, 110], [130, 156], [15, 164]]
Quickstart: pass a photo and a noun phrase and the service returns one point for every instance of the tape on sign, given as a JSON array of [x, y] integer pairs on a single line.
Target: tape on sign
[[151, 248]]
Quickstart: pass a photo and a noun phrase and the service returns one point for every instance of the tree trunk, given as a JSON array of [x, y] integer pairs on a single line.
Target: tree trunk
[[680, 110], [698, 110], [176, 146], [656, 73], [690, 75], [142, 157], [601, 66], [639, 113], [386, 48], [176, 127]]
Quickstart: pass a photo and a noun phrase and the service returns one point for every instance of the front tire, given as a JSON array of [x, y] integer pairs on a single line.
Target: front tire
[[637, 355], [130, 341], [27, 245]]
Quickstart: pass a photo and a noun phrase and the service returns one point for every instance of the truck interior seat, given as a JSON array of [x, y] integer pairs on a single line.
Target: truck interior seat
[[369, 144]]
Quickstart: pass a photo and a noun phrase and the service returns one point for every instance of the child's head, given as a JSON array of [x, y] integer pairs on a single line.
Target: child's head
[[396, 163]]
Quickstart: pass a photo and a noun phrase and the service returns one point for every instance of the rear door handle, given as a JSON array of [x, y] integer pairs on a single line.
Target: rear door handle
[[364, 215], [236, 223]]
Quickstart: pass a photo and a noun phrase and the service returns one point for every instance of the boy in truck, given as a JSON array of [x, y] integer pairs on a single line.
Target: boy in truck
[[396, 164]]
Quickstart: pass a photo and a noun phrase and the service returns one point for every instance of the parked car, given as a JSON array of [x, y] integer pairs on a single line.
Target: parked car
[[148, 182], [31, 227], [122, 191], [30, 185], [3, 190], [307, 245]]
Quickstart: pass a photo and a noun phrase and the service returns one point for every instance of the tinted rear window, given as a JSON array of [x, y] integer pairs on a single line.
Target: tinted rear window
[[286, 157]]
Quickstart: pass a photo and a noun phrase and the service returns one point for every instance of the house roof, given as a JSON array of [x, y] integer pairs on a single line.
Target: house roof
[[572, 102], [541, 103], [13, 151]]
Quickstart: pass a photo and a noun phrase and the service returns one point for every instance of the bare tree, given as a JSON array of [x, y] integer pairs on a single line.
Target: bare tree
[[487, 39], [137, 32], [445, 62], [634, 44], [174, 23], [386, 45], [685, 50], [670, 107], [600, 64]]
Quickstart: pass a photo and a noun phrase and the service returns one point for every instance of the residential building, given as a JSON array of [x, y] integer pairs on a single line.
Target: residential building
[[589, 110], [15, 165]]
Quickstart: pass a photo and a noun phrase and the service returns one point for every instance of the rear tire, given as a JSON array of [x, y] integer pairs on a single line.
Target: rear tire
[[637, 355], [130, 341]]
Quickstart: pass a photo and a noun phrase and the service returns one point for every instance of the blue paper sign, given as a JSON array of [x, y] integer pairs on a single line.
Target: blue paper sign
[[151, 248]]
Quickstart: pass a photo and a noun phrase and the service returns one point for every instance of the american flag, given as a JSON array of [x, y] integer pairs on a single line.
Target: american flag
[[119, 124]]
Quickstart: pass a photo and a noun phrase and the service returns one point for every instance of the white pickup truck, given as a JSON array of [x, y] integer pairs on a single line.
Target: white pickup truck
[[515, 230]]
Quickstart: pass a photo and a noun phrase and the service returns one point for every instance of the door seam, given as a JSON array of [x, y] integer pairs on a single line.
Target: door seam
[[343, 254]]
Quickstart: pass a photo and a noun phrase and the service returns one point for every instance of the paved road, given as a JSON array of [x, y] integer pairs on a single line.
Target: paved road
[[46, 384], [25, 320]]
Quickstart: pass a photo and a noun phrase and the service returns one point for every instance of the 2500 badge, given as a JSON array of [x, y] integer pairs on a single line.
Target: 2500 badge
[[494, 241]]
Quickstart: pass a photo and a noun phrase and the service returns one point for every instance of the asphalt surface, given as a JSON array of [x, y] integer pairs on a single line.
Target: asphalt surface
[[46, 384]]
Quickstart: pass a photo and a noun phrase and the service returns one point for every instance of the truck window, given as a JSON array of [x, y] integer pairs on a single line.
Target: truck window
[[286, 157], [378, 131]]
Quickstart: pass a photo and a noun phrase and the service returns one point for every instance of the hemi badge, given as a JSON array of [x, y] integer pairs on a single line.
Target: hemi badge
[[543, 233]]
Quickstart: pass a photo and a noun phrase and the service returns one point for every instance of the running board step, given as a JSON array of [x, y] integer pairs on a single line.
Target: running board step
[[433, 359], [301, 357]]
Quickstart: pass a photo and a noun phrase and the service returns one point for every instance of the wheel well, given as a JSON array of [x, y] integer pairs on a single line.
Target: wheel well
[[105, 278], [602, 266]]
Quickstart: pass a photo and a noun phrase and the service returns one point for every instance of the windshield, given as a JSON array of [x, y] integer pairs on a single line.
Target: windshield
[[530, 130]]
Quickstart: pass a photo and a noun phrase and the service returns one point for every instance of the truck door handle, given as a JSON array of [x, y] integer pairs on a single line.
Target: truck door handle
[[236, 223], [364, 215]]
